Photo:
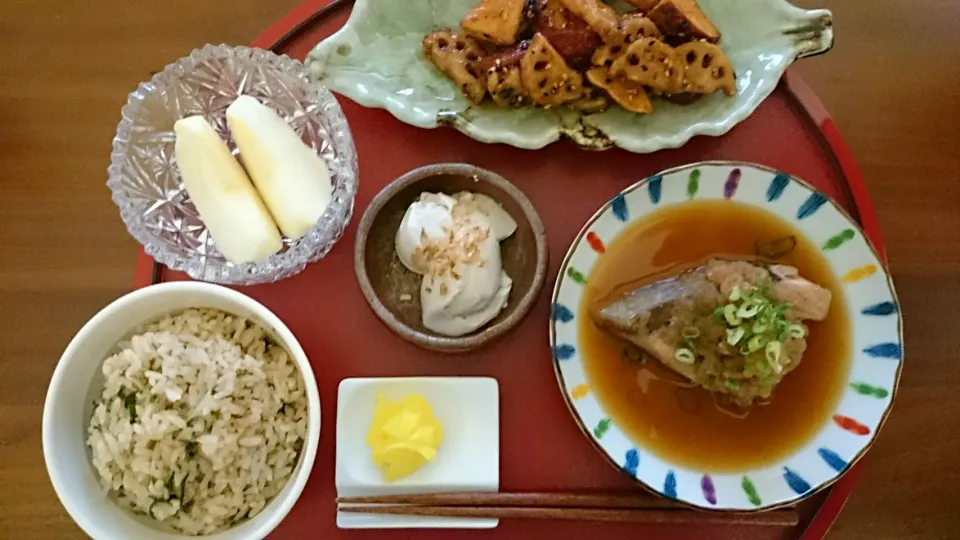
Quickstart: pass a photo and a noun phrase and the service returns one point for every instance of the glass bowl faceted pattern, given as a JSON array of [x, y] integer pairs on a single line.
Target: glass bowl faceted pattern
[[145, 180]]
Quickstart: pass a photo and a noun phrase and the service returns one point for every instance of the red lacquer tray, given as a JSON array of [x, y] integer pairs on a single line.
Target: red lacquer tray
[[541, 446]]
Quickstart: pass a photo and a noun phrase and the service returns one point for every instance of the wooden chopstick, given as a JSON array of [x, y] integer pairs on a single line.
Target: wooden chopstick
[[586, 506], [493, 498], [779, 518]]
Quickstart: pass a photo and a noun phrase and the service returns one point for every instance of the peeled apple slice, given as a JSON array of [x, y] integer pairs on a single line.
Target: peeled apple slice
[[290, 176], [228, 204]]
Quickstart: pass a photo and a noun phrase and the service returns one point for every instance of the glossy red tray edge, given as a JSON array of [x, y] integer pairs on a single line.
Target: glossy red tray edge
[[147, 273]]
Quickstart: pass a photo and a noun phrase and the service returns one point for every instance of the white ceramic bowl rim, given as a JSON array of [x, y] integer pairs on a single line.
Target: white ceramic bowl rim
[[57, 468]]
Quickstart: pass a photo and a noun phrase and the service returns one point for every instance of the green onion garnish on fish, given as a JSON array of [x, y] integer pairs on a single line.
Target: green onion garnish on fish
[[734, 335], [772, 351], [684, 356], [730, 314], [763, 368], [735, 294], [756, 322], [749, 309], [690, 332]]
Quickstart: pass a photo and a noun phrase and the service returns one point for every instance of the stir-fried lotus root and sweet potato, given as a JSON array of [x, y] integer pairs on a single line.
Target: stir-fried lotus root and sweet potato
[[735, 328], [583, 54]]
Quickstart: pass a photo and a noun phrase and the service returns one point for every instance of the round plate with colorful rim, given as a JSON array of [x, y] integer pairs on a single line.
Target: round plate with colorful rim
[[872, 306]]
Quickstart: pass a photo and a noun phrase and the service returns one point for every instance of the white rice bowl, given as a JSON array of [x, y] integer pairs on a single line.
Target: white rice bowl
[[200, 422]]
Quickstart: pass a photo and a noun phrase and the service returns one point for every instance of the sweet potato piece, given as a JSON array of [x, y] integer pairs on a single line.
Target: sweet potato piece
[[506, 87], [575, 47], [566, 32], [505, 58], [547, 78], [600, 17], [457, 57], [706, 69], [650, 62], [683, 19], [630, 96], [498, 21]]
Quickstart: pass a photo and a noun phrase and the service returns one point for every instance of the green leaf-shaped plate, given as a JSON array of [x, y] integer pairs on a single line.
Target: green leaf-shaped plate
[[376, 59]]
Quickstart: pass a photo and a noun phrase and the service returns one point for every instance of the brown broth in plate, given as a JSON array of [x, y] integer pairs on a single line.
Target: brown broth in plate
[[681, 424]]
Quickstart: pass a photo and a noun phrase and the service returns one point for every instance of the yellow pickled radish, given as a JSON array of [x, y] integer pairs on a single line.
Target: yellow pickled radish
[[404, 436], [402, 425], [397, 463]]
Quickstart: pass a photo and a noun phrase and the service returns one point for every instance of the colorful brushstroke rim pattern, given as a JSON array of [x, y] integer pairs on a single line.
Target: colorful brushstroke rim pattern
[[871, 301]]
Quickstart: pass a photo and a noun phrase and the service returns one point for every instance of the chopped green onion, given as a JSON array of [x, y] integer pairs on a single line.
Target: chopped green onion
[[690, 332], [767, 330], [684, 356], [690, 344], [749, 309], [782, 328], [731, 384], [777, 368], [730, 314], [736, 294], [772, 351], [734, 335]]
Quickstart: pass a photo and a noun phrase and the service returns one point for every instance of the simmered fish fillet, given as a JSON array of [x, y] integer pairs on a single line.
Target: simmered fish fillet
[[727, 353]]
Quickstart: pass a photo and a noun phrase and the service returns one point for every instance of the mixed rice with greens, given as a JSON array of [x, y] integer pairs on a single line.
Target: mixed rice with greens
[[200, 422]]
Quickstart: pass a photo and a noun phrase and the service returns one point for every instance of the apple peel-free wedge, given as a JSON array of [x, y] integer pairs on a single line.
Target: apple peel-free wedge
[[230, 208], [290, 176]]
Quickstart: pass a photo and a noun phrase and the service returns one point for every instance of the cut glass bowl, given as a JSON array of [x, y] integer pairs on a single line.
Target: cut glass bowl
[[145, 180]]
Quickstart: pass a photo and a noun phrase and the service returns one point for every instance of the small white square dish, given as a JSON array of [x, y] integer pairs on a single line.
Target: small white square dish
[[468, 458]]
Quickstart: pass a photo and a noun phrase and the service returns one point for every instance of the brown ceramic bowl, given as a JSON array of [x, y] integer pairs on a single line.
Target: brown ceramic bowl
[[394, 292]]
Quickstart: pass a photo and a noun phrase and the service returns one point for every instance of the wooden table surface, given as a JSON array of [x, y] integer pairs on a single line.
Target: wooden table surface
[[891, 84]]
